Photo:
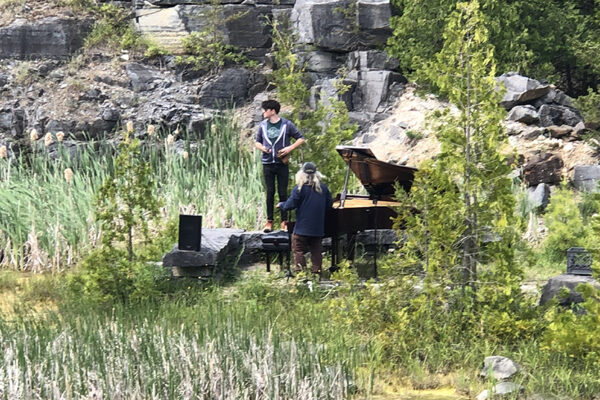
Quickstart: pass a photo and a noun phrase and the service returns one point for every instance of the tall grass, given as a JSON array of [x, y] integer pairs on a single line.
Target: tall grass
[[47, 222], [212, 346]]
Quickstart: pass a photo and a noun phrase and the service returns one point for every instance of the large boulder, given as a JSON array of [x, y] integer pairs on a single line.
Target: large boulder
[[586, 177], [544, 168], [566, 281], [499, 367], [558, 115], [52, 37], [539, 196], [526, 114], [219, 247], [520, 89]]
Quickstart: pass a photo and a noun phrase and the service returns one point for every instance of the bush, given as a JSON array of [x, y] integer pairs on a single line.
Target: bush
[[565, 225]]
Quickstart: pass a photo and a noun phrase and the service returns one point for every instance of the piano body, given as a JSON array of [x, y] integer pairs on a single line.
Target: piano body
[[352, 213]]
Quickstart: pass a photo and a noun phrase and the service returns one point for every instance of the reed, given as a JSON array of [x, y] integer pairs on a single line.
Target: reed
[[47, 202], [211, 346]]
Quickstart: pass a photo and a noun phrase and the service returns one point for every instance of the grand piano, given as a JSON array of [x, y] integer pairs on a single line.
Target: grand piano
[[352, 213]]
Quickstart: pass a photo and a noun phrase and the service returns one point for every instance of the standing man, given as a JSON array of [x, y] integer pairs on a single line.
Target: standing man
[[274, 140], [311, 198]]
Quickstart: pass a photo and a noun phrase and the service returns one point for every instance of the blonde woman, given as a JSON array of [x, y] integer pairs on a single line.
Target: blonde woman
[[310, 198]]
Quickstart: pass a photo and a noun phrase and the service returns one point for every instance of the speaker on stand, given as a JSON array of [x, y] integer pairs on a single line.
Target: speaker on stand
[[190, 232]]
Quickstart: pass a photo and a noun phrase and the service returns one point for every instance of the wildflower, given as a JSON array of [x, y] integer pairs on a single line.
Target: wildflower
[[129, 126], [68, 174], [2, 151], [185, 155], [33, 135], [151, 130], [48, 140], [60, 136], [170, 139]]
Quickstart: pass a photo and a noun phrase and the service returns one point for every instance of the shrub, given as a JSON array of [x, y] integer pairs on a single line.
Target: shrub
[[565, 225]]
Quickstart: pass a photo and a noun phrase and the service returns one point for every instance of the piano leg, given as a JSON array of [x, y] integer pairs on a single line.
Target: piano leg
[[351, 238]]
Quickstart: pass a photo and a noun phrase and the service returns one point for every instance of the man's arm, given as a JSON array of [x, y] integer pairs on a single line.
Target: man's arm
[[258, 142], [287, 150]]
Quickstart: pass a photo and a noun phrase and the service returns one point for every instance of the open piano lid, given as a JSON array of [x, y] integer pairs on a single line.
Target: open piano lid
[[378, 177]]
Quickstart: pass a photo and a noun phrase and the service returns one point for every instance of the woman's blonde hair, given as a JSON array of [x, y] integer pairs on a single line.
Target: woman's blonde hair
[[313, 180]]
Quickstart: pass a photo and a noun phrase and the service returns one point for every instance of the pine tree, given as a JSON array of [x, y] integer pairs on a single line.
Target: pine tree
[[464, 199]]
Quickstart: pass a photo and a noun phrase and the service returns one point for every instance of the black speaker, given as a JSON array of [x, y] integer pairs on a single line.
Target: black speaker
[[190, 232]]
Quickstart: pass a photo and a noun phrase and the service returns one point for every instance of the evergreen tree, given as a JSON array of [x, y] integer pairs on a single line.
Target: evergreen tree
[[466, 208]]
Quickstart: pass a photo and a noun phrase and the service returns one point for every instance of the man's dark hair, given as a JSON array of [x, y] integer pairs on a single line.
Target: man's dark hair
[[271, 105]]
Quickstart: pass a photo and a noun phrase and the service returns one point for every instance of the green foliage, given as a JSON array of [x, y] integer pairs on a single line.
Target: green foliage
[[565, 225], [459, 223], [589, 105], [127, 200], [551, 39], [207, 50], [575, 333], [113, 30], [325, 127]]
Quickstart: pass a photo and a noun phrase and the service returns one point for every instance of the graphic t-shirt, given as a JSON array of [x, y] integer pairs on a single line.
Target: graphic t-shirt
[[273, 130]]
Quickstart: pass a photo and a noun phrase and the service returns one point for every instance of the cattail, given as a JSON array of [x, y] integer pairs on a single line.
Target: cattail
[[33, 135], [48, 140], [170, 139], [129, 126], [60, 136], [151, 130], [68, 174], [185, 155], [2, 151]]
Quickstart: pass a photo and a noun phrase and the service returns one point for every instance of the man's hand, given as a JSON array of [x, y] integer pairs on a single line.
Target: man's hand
[[261, 147], [278, 205], [284, 152]]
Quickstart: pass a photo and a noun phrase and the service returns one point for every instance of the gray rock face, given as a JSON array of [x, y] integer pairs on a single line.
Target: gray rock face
[[525, 114], [371, 60], [234, 85], [558, 115], [586, 177], [520, 89], [245, 25], [373, 88], [545, 168], [499, 367], [567, 281], [51, 37], [141, 77], [342, 25], [322, 61], [13, 121]]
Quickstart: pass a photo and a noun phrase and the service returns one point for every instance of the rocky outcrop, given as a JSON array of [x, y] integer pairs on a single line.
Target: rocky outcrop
[[51, 37]]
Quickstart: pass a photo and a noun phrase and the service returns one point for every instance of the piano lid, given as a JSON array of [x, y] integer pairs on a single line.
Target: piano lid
[[378, 177]]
